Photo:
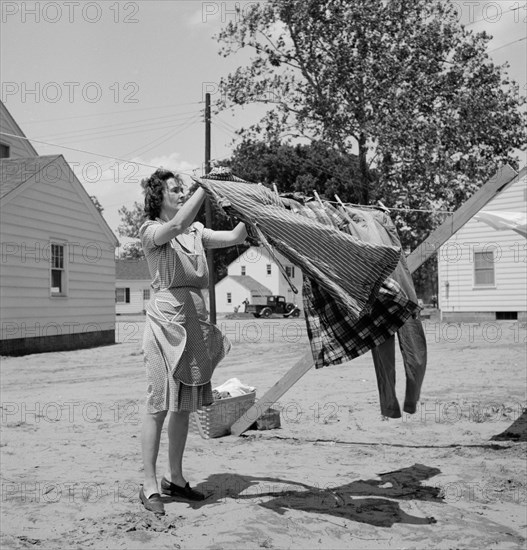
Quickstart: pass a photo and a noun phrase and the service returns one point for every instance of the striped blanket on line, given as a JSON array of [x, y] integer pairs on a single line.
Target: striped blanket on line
[[351, 304]]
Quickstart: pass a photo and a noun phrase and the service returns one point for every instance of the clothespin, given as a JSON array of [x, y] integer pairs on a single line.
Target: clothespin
[[275, 189], [318, 198], [337, 198], [382, 207], [344, 212]]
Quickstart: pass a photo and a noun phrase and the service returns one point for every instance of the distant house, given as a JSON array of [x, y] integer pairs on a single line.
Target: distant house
[[13, 147], [254, 275], [482, 271], [132, 286], [233, 290], [57, 269]]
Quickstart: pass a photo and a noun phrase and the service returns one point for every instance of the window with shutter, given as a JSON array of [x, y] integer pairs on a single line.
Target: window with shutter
[[122, 295]]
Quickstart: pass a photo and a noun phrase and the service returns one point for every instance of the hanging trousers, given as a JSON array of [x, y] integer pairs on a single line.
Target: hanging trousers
[[378, 226]]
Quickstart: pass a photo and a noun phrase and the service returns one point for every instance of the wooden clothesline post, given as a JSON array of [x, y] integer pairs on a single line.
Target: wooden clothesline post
[[428, 247]]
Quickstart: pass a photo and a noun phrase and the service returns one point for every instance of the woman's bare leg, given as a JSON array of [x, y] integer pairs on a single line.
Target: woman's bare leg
[[150, 438], [177, 438]]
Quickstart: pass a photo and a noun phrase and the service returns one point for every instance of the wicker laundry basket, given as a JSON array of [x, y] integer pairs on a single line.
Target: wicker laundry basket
[[216, 419]]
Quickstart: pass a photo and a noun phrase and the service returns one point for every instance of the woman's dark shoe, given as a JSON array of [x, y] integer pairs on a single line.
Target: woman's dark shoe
[[169, 488], [153, 503]]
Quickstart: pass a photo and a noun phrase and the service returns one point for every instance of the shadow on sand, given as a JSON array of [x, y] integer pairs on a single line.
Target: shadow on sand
[[378, 507], [517, 431]]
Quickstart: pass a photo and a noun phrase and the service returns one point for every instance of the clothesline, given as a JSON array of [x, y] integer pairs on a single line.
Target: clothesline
[[393, 208], [380, 205]]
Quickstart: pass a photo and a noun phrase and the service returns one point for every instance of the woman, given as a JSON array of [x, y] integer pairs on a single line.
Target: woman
[[181, 349]]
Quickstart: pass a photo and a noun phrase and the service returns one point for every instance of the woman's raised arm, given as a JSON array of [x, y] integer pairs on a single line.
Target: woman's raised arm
[[182, 219], [222, 239]]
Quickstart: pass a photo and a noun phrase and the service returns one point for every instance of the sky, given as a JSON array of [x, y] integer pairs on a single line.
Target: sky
[[118, 87]]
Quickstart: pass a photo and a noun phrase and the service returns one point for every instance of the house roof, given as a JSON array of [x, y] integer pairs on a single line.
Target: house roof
[[250, 284], [16, 171], [132, 270], [8, 121], [254, 253]]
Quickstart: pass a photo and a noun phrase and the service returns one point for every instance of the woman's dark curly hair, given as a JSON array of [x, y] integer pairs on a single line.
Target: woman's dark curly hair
[[153, 188]]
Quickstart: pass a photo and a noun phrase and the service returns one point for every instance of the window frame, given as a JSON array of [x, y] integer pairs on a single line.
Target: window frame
[[62, 268], [229, 297], [8, 147], [479, 270], [126, 295]]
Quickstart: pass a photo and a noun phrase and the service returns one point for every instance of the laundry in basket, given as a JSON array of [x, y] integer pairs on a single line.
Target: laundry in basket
[[234, 388], [216, 419]]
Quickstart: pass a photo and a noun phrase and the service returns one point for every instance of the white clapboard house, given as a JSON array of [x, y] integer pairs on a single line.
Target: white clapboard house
[[255, 275], [482, 269], [57, 271], [132, 286]]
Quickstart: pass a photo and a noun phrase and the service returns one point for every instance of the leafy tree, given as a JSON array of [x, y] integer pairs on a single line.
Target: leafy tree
[[131, 221], [401, 82], [305, 168], [97, 204]]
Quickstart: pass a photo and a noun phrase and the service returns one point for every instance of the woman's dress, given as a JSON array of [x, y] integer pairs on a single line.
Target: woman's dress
[[181, 348]]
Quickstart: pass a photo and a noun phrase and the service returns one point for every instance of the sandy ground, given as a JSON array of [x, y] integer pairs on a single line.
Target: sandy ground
[[335, 475]]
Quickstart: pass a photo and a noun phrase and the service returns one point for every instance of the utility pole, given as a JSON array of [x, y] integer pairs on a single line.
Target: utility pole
[[208, 216]]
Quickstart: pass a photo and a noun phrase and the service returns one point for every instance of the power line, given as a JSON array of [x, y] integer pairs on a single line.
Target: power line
[[124, 125], [168, 136], [228, 124], [113, 113], [131, 130], [162, 139], [87, 152], [225, 125], [508, 44], [228, 132]]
